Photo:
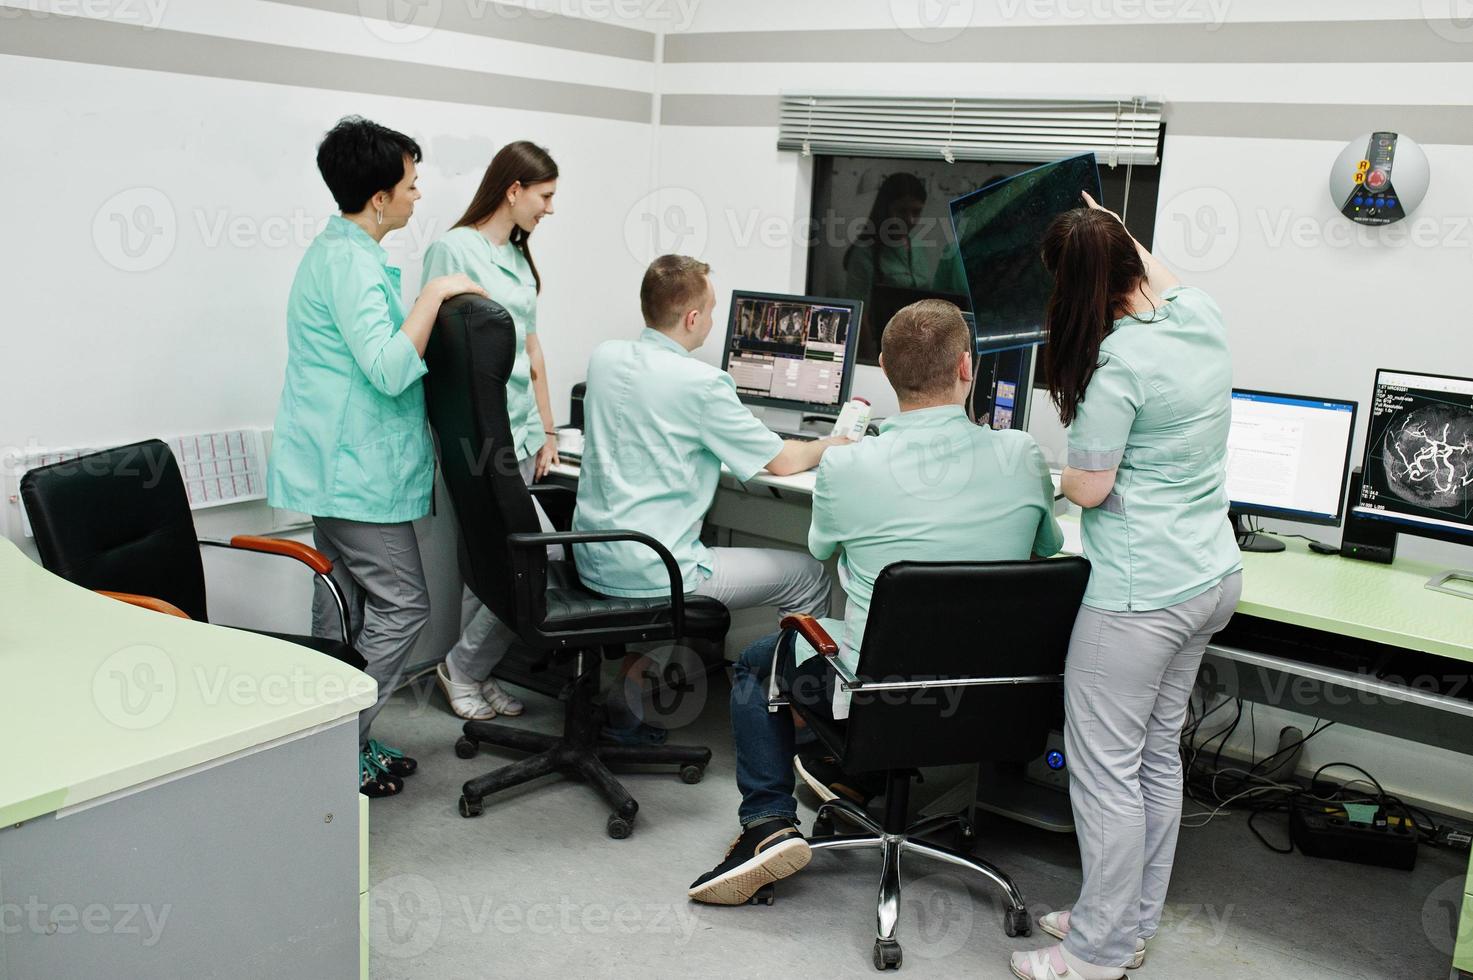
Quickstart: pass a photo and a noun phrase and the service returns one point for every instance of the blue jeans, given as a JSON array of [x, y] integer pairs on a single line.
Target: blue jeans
[[764, 739]]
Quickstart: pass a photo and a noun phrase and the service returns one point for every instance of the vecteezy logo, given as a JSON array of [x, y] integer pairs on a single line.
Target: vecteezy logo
[[666, 220], [1441, 919], [135, 230], [945, 914], [1201, 229], [400, 21], [135, 687], [930, 466], [404, 916], [1451, 20], [932, 21]]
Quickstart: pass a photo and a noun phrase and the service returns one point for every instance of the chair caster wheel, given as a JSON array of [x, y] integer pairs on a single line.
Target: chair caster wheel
[[692, 774], [469, 808], [887, 955], [466, 748], [618, 827], [1016, 923], [765, 895], [823, 827]]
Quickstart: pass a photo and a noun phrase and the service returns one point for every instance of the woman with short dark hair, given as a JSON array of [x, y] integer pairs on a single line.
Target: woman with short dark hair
[[352, 444], [1138, 367]]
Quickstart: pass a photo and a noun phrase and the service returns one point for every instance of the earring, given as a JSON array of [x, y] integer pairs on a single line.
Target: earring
[[380, 215]]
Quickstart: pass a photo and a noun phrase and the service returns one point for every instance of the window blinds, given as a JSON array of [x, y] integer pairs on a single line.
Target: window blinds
[[1117, 131]]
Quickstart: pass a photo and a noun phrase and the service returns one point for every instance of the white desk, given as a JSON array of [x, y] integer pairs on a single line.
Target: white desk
[[198, 780]]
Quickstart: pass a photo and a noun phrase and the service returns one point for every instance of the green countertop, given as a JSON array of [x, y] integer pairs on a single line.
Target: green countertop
[[1383, 603], [97, 696]]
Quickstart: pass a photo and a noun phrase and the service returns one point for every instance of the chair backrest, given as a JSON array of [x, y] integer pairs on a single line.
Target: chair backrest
[[119, 520], [470, 356], [963, 620]]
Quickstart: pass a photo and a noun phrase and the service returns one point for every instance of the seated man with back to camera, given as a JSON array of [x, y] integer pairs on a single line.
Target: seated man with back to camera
[[659, 424], [931, 487]]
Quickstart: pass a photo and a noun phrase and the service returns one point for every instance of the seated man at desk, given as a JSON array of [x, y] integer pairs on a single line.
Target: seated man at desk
[[659, 424], [931, 487]]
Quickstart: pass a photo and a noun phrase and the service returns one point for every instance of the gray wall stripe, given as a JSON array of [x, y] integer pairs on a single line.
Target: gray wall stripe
[[1449, 124], [508, 22], [1293, 42], [98, 42]]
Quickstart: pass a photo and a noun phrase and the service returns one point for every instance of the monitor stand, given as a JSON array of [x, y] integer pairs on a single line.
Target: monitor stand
[[786, 422], [1442, 582], [1251, 541]]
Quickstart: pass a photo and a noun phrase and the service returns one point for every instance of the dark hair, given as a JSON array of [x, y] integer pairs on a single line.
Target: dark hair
[[920, 346], [672, 286], [358, 158], [896, 187], [515, 163], [1096, 267]]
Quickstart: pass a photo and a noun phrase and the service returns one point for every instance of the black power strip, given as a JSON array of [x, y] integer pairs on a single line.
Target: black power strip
[[1329, 830]]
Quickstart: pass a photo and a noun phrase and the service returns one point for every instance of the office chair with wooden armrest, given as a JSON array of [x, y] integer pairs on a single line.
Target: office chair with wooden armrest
[[118, 521], [994, 633]]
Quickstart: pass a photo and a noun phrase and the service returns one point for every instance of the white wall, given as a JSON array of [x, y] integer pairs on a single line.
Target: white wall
[[99, 354]]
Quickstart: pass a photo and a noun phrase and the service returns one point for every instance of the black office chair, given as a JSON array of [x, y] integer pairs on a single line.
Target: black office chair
[[996, 634], [504, 562], [118, 522]]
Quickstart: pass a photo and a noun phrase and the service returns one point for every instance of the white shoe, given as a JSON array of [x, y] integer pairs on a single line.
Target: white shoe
[[504, 703], [466, 700], [1053, 964], [1056, 924]]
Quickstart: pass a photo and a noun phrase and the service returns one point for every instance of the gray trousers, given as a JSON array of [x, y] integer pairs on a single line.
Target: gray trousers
[[793, 581], [378, 569], [484, 638], [1126, 686]]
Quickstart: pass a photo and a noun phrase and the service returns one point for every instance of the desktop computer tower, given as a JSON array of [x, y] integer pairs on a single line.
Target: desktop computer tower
[[1363, 538]]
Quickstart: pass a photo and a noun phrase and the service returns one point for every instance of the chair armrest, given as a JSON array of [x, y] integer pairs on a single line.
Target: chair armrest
[[812, 631], [542, 539], [551, 490], [146, 602], [320, 564], [304, 553]]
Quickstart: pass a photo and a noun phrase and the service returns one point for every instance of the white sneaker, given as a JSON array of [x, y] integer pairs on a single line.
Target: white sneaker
[[504, 703], [466, 700], [1056, 924]]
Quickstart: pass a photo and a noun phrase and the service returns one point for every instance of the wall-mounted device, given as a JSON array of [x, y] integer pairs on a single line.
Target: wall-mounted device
[[1379, 178]]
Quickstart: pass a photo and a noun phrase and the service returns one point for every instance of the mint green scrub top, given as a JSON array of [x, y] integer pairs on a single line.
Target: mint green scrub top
[[351, 438], [503, 271], [658, 425], [1159, 408]]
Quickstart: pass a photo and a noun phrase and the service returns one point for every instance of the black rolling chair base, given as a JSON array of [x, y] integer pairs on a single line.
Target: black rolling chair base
[[576, 753], [887, 953]]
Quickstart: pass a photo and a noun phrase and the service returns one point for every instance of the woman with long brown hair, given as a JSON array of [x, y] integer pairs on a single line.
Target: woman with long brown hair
[[491, 244], [1138, 367]]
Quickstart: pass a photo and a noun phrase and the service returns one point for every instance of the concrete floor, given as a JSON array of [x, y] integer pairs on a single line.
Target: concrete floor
[[535, 888]]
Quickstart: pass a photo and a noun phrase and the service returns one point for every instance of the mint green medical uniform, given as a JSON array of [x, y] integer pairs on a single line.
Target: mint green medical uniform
[[503, 271], [351, 438], [1159, 409]]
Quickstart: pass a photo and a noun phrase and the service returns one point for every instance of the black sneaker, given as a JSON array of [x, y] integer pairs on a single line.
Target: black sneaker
[[768, 852], [823, 774]]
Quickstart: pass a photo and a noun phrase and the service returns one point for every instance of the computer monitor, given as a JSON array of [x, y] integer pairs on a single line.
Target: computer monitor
[[792, 354], [1288, 456], [1418, 468], [1002, 386]]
